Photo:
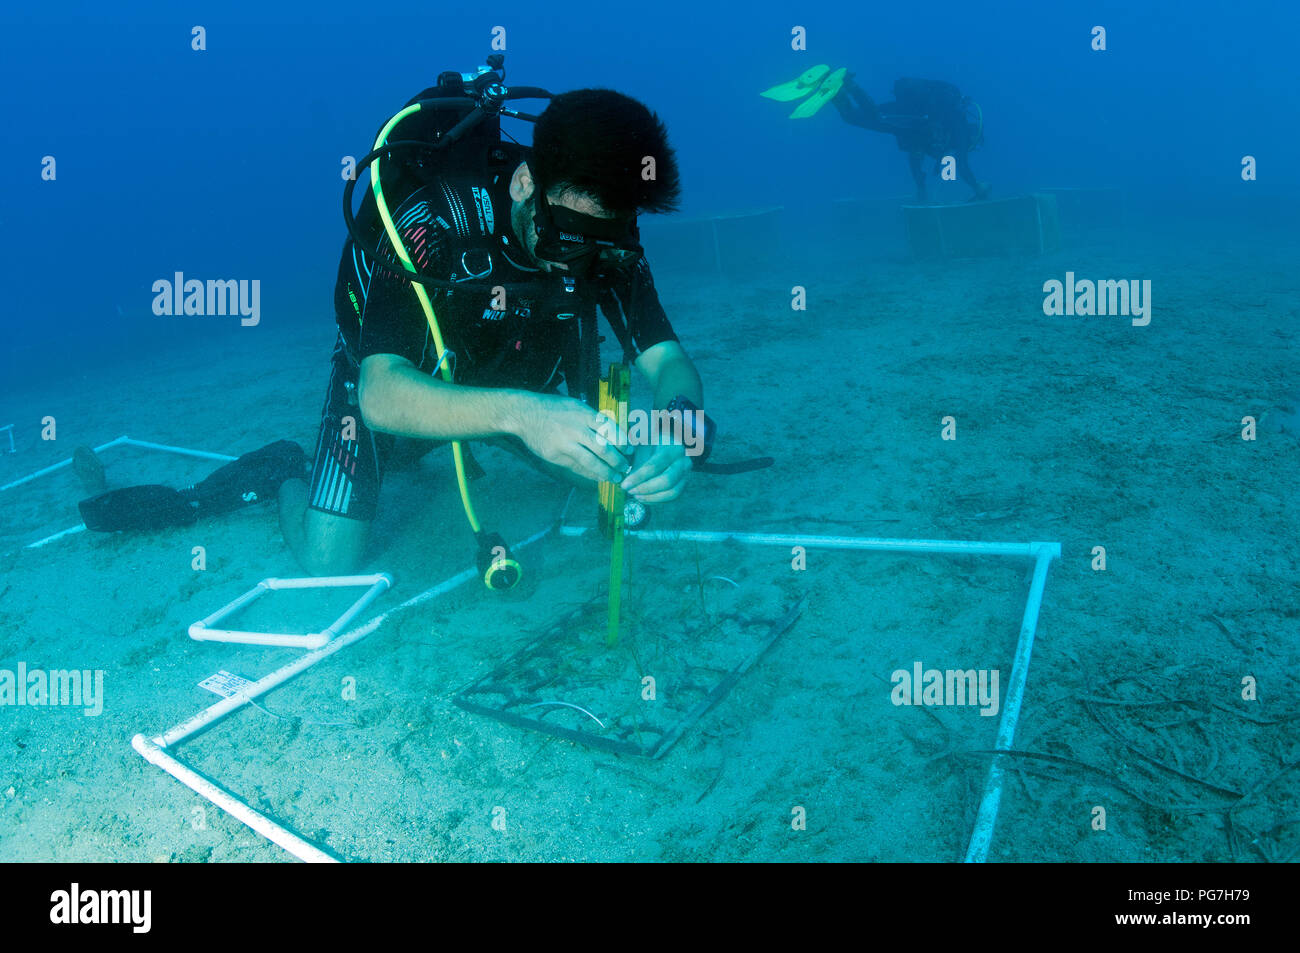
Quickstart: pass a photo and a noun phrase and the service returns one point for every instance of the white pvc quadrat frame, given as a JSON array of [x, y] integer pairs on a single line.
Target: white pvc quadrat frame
[[375, 584], [158, 750], [122, 441]]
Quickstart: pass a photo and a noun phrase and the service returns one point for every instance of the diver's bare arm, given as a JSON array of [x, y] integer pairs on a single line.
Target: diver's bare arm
[[397, 398], [671, 374]]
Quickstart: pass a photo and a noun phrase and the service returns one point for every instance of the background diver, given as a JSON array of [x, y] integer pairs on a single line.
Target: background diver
[[927, 117]]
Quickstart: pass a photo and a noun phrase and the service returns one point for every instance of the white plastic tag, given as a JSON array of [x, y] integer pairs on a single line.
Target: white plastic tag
[[224, 684]]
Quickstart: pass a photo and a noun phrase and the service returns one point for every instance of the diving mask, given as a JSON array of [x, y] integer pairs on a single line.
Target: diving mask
[[586, 244]]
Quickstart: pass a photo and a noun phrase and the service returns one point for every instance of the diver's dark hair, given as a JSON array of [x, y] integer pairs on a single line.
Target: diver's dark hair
[[595, 141]]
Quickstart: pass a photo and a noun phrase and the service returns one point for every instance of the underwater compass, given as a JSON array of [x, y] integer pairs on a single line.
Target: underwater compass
[[635, 514]]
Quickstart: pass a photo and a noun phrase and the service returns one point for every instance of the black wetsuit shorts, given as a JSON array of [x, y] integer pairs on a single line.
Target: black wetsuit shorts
[[349, 464]]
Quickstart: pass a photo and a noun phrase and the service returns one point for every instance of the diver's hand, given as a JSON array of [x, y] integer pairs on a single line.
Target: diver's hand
[[659, 473], [570, 435]]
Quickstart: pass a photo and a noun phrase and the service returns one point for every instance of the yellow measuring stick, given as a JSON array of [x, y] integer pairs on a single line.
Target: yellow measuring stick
[[614, 391]]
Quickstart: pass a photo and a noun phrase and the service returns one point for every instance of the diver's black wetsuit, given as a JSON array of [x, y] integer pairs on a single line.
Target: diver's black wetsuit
[[927, 118], [457, 228]]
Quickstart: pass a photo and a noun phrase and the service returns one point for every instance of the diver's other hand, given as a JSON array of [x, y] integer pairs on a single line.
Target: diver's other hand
[[659, 473], [569, 434]]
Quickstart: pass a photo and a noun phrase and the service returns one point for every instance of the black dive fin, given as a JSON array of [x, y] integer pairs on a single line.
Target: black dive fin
[[137, 508], [253, 478]]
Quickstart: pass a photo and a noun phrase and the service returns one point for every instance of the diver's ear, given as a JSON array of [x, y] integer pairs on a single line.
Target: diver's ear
[[521, 184]]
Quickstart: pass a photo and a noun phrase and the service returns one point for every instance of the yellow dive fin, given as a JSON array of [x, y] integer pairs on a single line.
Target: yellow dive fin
[[798, 88], [825, 93]]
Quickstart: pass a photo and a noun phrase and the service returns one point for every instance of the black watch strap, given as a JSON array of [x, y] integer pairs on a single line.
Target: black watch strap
[[692, 417]]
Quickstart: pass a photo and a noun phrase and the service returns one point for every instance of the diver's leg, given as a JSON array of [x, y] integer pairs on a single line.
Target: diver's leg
[[856, 107], [324, 544], [326, 521], [849, 112], [916, 162], [254, 477], [981, 189], [964, 171]]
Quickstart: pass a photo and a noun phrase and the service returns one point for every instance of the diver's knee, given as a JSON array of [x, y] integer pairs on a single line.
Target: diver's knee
[[330, 545]]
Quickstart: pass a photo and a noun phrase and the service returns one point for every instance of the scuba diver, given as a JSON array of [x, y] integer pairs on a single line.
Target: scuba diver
[[467, 294], [927, 118]]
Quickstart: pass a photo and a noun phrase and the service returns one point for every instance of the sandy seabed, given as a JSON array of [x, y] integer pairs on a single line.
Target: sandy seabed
[[1083, 430]]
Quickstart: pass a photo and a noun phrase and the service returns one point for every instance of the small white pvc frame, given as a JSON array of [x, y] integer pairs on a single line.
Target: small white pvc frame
[[122, 441], [9, 429], [155, 750], [375, 584]]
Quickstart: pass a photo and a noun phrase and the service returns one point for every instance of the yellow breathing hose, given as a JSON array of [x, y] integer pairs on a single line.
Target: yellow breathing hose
[[399, 247]]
